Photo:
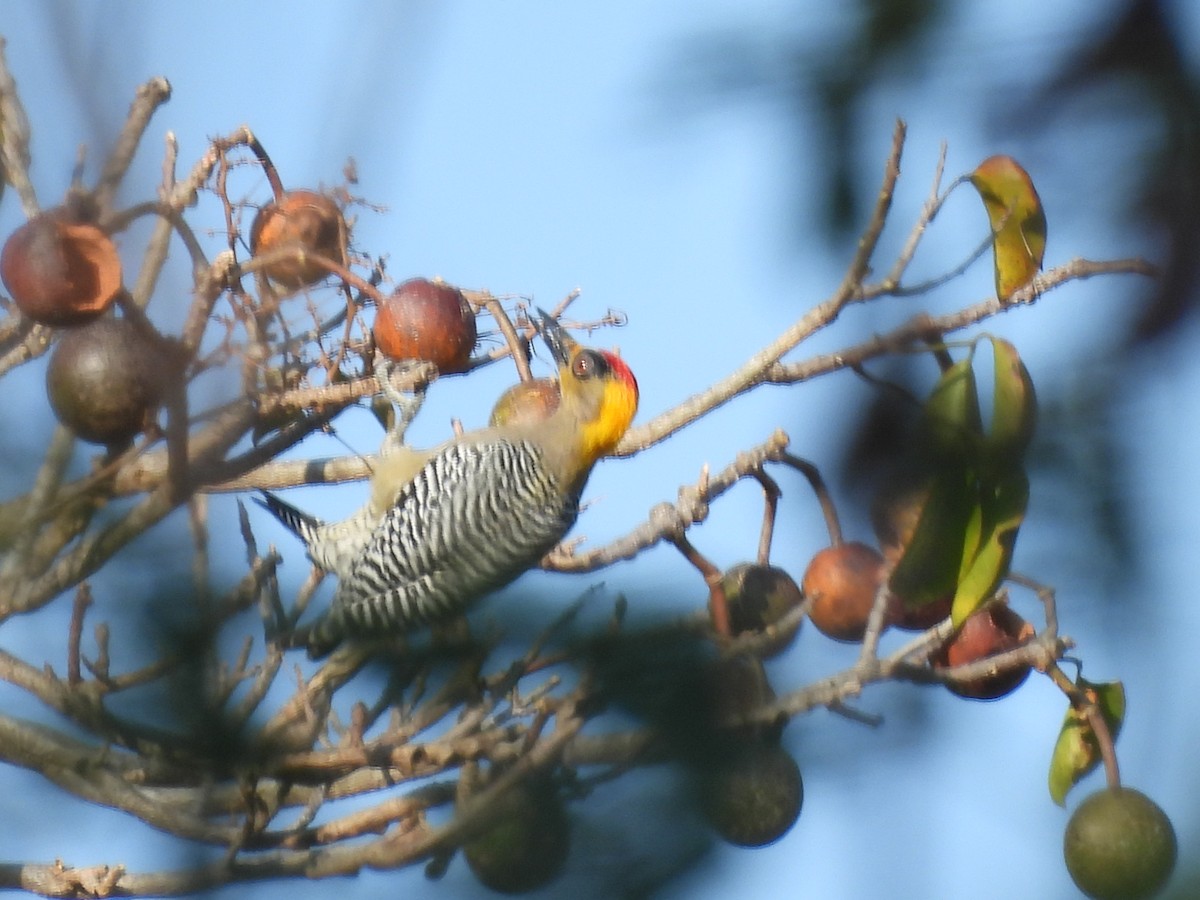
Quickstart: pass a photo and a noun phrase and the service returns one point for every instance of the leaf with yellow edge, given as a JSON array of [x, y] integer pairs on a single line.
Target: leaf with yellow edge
[[1077, 752], [1017, 219], [988, 540]]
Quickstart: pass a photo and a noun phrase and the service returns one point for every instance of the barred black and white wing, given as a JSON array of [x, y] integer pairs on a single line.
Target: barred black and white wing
[[475, 517]]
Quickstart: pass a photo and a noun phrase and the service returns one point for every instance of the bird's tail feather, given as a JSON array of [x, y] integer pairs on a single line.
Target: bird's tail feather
[[297, 521]]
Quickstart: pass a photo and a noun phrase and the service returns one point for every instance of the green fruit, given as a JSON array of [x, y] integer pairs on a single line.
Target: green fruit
[[758, 597], [736, 686], [526, 402], [104, 379], [1119, 845], [526, 846], [753, 797]]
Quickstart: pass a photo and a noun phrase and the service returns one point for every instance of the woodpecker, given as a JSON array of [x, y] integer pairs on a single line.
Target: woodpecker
[[450, 525]]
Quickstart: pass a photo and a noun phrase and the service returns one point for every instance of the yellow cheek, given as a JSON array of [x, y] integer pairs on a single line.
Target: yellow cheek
[[604, 432]]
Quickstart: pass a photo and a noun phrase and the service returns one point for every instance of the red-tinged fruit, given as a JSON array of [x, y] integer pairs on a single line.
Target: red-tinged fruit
[[758, 597], [426, 320], [60, 272], [526, 402], [987, 632], [1120, 845], [306, 222], [841, 582], [105, 380], [918, 618]]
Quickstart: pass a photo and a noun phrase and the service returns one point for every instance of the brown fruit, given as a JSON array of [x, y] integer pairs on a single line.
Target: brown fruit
[[428, 320], [758, 597], [753, 797], [304, 220], [526, 402], [60, 272], [986, 632], [104, 380], [527, 844], [895, 512], [842, 582], [1120, 845], [918, 618]]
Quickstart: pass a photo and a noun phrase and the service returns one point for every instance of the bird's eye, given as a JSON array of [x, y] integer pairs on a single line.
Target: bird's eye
[[587, 364]]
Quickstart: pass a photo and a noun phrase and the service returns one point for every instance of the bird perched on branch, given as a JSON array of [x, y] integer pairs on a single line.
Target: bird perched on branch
[[447, 526]]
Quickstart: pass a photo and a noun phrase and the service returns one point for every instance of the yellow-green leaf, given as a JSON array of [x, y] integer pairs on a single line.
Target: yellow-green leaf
[[988, 540], [928, 570], [1017, 219], [1014, 412], [1077, 752]]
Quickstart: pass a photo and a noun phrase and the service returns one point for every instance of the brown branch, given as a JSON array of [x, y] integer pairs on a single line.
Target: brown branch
[[668, 519], [150, 96]]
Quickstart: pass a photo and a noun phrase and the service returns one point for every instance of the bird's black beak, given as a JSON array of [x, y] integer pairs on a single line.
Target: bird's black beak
[[560, 343]]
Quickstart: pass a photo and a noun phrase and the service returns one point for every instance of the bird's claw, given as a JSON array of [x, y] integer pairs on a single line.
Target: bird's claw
[[406, 405]]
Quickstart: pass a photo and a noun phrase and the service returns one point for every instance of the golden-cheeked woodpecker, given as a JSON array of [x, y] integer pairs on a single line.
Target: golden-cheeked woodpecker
[[447, 526]]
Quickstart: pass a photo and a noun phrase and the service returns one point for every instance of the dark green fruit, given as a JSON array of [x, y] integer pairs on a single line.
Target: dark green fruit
[[105, 379], [758, 597], [301, 220], [987, 632], [1119, 845], [428, 320], [842, 582], [60, 272], [753, 798], [526, 402], [526, 846], [735, 686]]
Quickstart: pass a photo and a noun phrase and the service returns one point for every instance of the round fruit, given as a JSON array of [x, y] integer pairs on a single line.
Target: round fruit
[[752, 798], [895, 512], [526, 402], [104, 380], [988, 631], [526, 846], [427, 320], [60, 272], [736, 685], [918, 618], [842, 582], [1119, 845], [304, 220], [758, 597]]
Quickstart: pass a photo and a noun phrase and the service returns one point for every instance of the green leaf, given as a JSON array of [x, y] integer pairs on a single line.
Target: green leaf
[[928, 570], [988, 541], [952, 425], [1014, 412], [1077, 751]]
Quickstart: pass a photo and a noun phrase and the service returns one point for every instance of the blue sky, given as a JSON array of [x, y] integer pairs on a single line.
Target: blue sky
[[534, 148]]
